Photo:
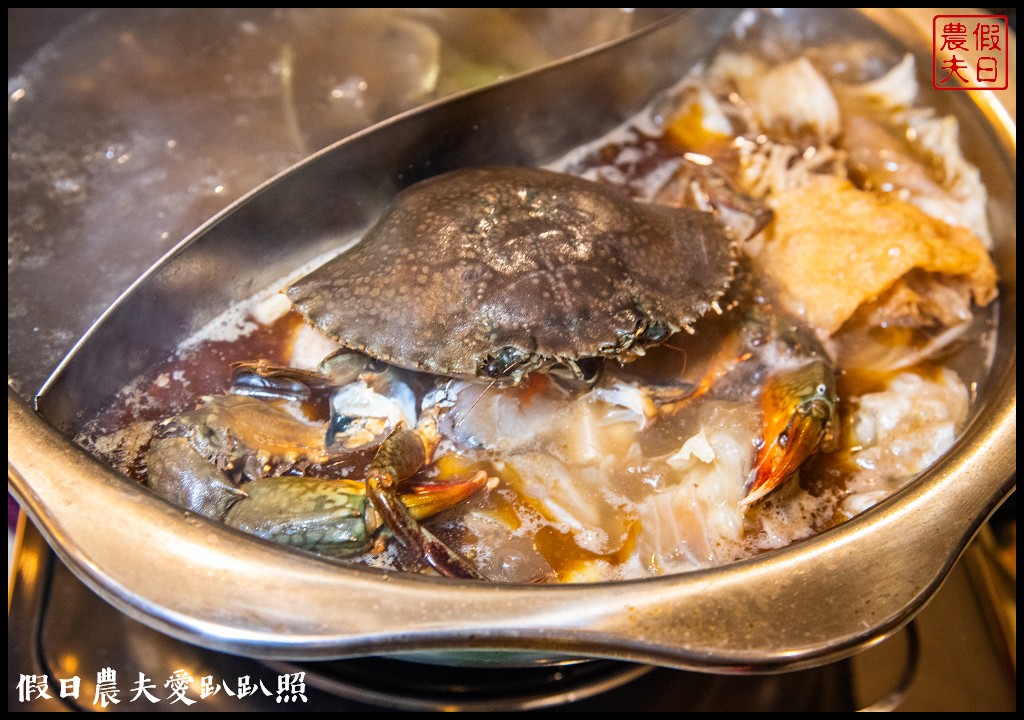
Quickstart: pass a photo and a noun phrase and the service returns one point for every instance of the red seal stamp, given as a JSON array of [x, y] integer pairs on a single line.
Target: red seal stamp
[[970, 52]]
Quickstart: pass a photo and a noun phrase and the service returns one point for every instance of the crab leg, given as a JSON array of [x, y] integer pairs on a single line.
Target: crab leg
[[330, 516], [798, 409], [401, 456]]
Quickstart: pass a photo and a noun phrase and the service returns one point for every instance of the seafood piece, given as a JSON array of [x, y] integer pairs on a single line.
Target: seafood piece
[[375, 407], [178, 473], [361, 417], [404, 453], [264, 379], [245, 439], [249, 438], [798, 399], [504, 271], [367, 398], [372, 404], [331, 517], [798, 407], [794, 376], [224, 461]]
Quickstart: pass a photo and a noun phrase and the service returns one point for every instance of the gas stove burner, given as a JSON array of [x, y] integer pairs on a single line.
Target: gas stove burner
[[58, 628], [410, 685]]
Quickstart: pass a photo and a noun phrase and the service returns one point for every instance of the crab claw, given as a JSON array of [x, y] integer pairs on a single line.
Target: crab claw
[[402, 455], [328, 516], [425, 500], [798, 409], [331, 516]]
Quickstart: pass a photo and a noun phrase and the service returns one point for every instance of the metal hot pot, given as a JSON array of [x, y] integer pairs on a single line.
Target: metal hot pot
[[811, 603]]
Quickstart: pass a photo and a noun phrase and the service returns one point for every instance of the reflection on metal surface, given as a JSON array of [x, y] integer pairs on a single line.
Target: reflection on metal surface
[[902, 678], [992, 563], [135, 126]]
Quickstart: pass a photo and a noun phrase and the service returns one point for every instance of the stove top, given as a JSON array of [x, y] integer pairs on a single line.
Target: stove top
[[947, 659]]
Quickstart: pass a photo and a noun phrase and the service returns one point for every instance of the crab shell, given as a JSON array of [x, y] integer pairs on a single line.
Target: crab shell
[[498, 271]]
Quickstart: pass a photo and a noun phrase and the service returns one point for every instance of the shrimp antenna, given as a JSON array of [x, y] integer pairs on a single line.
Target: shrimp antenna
[[683, 351]]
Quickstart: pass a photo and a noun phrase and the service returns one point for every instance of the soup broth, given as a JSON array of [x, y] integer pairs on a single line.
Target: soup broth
[[864, 248]]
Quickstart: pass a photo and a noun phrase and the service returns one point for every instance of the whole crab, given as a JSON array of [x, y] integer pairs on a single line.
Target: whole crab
[[498, 272]]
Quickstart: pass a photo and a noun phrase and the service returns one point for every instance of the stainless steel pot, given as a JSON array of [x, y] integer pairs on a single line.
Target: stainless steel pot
[[811, 603]]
